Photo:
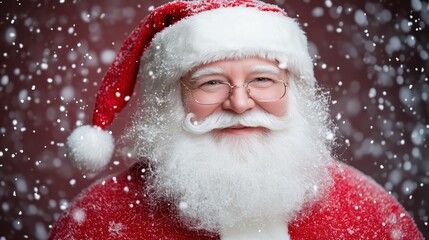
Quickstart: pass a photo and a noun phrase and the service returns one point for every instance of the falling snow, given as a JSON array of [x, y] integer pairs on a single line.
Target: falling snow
[[373, 57]]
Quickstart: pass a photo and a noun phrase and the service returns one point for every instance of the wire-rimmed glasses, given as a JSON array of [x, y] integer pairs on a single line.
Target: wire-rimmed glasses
[[215, 92]]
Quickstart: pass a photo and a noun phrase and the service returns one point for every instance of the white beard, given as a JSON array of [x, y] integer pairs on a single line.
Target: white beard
[[218, 184]]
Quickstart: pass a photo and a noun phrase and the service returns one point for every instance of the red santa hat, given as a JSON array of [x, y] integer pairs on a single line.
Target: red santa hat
[[176, 38]]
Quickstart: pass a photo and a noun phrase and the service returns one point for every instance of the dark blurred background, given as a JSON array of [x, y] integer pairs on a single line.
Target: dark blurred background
[[371, 55]]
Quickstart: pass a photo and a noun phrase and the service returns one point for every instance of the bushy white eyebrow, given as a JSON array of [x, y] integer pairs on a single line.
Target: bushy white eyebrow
[[266, 69], [206, 71], [218, 70]]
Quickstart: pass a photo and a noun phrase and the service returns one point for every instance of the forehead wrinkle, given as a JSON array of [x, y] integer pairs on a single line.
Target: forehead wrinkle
[[206, 71]]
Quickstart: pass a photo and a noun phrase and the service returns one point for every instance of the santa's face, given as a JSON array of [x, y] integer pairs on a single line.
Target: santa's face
[[239, 161], [238, 73]]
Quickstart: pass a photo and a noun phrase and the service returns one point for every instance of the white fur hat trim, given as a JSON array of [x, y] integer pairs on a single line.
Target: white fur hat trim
[[226, 33]]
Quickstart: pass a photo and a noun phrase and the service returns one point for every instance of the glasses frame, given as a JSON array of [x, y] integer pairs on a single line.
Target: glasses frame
[[231, 87]]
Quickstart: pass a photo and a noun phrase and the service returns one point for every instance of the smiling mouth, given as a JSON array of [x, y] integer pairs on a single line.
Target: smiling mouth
[[238, 127], [240, 130]]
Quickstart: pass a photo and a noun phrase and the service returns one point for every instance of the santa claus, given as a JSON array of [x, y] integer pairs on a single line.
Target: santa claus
[[233, 138]]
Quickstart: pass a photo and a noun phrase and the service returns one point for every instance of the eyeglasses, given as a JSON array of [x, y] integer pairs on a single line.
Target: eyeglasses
[[215, 92]]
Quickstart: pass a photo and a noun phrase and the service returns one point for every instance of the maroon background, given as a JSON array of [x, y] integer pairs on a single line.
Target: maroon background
[[51, 66]]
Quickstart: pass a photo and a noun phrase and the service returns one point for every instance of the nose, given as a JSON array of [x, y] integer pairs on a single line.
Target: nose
[[239, 100]]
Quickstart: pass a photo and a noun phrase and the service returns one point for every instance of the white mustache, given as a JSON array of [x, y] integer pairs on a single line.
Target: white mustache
[[226, 120]]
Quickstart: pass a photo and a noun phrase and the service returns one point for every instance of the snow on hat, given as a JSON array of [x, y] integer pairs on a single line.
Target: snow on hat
[[176, 38]]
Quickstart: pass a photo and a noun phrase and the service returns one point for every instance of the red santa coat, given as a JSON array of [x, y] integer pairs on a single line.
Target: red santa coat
[[355, 207]]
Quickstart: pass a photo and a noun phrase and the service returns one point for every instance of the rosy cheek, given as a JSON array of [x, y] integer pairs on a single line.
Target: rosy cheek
[[277, 108], [203, 111], [200, 111]]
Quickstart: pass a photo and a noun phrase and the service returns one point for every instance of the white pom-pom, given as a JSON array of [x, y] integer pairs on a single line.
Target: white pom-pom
[[90, 148]]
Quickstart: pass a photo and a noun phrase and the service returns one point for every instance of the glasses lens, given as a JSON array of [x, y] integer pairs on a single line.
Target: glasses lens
[[211, 94], [267, 90]]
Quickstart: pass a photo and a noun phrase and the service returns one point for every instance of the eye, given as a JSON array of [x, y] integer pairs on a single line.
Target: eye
[[262, 79], [262, 82], [211, 85]]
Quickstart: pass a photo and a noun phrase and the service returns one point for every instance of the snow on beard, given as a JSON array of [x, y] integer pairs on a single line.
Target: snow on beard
[[227, 182]]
